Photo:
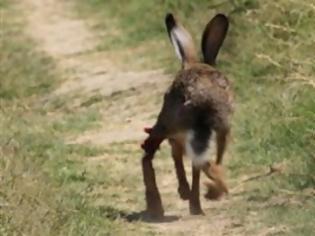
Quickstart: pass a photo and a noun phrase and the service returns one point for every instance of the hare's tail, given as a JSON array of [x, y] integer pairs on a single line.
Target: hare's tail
[[197, 143]]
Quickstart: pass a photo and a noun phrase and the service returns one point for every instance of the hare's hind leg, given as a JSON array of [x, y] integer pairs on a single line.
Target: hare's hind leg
[[153, 198], [194, 200], [222, 134], [197, 142], [177, 154], [217, 186]]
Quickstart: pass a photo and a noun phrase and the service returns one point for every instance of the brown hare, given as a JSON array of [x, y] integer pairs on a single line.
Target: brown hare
[[198, 102]]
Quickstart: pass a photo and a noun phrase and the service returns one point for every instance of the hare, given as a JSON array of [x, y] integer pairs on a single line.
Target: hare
[[198, 102]]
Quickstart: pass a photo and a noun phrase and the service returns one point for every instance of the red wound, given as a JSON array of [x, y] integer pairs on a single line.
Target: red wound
[[148, 130]]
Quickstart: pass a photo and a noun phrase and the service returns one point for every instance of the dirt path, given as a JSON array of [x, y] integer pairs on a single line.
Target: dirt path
[[88, 72], [70, 42]]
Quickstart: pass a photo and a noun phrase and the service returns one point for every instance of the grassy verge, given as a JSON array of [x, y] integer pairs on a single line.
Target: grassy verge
[[268, 56], [44, 185]]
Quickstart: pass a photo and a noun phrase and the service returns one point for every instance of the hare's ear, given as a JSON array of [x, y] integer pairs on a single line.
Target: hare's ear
[[213, 37], [181, 40]]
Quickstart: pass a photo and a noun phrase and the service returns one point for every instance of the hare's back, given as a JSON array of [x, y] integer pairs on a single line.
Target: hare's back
[[203, 86]]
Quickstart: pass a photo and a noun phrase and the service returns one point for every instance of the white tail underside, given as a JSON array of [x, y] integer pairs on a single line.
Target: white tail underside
[[197, 159]]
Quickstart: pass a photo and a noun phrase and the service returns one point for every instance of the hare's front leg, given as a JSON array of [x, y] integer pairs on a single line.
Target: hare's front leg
[[153, 198], [177, 155]]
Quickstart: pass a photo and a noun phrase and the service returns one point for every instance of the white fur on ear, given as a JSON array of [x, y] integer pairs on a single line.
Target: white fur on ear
[[176, 46], [181, 40]]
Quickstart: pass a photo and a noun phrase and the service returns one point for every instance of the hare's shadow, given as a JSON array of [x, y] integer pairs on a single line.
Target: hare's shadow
[[145, 217], [113, 213]]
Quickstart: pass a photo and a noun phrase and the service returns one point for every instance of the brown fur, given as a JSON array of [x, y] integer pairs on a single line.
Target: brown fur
[[199, 98], [217, 186]]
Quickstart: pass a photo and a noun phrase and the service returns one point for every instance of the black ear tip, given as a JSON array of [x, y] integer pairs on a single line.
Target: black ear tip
[[170, 20], [169, 16], [221, 17]]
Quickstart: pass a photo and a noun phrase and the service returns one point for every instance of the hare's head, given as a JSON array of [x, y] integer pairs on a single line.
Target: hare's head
[[212, 39]]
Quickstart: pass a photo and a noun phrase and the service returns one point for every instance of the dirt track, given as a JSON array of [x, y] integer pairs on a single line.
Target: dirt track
[[88, 72]]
